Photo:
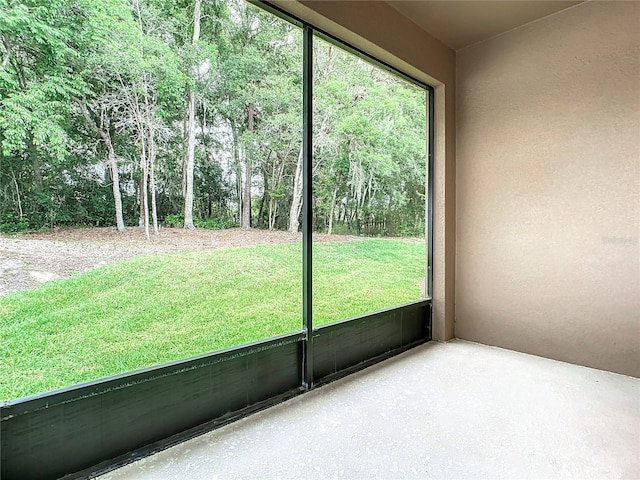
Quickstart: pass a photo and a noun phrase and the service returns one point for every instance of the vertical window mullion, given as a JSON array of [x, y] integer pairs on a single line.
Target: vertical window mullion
[[307, 192], [430, 186]]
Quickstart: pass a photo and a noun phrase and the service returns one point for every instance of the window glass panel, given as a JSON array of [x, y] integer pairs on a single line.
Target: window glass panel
[[182, 124], [132, 110], [369, 153]]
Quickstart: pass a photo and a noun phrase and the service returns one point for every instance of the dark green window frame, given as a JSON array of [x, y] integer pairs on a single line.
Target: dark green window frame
[[100, 425]]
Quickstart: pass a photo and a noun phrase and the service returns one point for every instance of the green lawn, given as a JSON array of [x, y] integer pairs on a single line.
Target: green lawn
[[153, 309]]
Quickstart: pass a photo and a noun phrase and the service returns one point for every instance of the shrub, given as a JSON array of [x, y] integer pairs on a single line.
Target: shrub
[[215, 223], [12, 223], [174, 220]]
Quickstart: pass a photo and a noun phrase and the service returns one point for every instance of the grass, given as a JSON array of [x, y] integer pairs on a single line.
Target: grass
[[152, 309]]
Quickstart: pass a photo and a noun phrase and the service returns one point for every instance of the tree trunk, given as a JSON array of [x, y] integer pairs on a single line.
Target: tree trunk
[[238, 170], [265, 195], [272, 203], [273, 213], [246, 194], [115, 181], [248, 171], [190, 163], [296, 200], [191, 132], [140, 205], [103, 132], [37, 173], [144, 164], [15, 183], [333, 206], [152, 180]]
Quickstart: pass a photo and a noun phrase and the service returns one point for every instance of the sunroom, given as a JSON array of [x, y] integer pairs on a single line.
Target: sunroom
[[518, 354]]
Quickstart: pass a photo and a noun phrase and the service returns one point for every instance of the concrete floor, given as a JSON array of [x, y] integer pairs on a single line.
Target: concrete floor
[[454, 410]]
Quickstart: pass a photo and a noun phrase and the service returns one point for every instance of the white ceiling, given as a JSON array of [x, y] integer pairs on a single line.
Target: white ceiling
[[458, 24]]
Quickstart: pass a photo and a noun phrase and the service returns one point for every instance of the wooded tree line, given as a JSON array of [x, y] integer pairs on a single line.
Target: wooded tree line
[[189, 113]]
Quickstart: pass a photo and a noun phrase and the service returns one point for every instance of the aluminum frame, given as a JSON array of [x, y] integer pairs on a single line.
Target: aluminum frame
[[47, 435]]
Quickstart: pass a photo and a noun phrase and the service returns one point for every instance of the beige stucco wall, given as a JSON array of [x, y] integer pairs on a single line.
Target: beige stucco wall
[[381, 31], [548, 188]]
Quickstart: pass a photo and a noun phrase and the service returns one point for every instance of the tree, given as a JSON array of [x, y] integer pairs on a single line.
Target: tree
[[325, 68], [365, 174], [35, 88], [189, 111], [100, 123], [259, 85], [106, 46], [190, 133]]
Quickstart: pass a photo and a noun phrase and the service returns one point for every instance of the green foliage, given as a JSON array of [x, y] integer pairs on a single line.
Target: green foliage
[[11, 223], [215, 223], [35, 83], [175, 220], [130, 63], [152, 309]]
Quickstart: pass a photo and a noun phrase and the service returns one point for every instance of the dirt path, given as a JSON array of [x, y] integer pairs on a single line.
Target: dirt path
[[26, 261]]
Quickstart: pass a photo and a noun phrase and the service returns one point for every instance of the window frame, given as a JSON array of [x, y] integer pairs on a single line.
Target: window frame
[[100, 425]]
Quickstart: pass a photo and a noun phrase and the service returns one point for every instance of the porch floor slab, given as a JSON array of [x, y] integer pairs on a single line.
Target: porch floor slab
[[442, 410]]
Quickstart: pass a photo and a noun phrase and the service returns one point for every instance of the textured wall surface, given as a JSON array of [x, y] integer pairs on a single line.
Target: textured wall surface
[[548, 188]]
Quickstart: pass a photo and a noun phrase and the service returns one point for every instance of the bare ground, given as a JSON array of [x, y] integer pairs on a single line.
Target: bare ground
[[28, 260]]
